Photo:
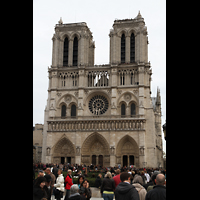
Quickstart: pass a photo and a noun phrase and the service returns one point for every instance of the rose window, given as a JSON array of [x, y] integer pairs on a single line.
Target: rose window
[[98, 105]]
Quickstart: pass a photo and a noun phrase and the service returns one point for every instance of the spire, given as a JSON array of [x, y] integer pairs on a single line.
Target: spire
[[60, 21], [158, 101], [139, 15]]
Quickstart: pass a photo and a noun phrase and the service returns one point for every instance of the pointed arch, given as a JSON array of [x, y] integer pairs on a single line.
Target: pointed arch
[[127, 151], [95, 150], [122, 31], [127, 145], [132, 30], [95, 143], [75, 34], [63, 148]]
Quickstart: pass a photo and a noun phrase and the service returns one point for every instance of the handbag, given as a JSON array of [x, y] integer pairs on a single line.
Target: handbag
[[56, 191]]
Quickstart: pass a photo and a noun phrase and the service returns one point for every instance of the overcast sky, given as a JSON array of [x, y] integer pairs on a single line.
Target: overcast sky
[[99, 16]]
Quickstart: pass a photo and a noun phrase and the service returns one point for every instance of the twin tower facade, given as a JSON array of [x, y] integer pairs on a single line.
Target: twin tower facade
[[102, 114]]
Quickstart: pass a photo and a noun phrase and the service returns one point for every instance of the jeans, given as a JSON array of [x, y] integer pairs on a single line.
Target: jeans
[[67, 194], [108, 196]]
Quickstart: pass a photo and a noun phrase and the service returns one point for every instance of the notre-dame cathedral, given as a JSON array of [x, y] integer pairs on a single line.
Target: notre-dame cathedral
[[102, 114]]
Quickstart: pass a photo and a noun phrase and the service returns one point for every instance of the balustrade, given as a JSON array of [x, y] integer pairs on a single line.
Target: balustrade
[[100, 125]]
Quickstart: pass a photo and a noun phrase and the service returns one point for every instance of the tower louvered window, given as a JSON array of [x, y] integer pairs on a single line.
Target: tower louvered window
[[132, 48], [75, 52], [123, 48], [65, 52]]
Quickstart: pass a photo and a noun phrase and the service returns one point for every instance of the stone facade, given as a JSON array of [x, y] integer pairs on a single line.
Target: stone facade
[[37, 142], [102, 114]]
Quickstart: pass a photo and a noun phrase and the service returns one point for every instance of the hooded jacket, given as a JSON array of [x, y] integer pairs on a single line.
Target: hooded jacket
[[126, 191], [141, 190]]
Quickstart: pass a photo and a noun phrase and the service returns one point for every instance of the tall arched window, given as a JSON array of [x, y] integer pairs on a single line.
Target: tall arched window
[[63, 111], [132, 48], [133, 112], [123, 47], [75, 52], [123, 110], [65, 52], [73, 111]]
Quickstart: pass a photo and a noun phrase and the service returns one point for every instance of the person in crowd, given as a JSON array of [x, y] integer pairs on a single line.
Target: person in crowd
[[137, 183], [85, 189], [55, 171], [149, 183], [58, 192], [53, 178], [68, 183], [117, 177], [150, 187], [98, 181], [143, 177], [124, 190], [38, 189], [74, 193], [80, 180], [147, 176], [40, 174], [108, 187], [48, 186], [159, 190]]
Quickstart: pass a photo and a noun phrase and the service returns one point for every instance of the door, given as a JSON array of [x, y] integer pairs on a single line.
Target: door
[[101, 160], [94, 159], [131, 160], [125, 161], [69, 160], [62, 160]]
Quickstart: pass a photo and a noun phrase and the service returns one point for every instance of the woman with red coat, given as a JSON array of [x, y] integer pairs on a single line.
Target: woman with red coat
[[68, 183]]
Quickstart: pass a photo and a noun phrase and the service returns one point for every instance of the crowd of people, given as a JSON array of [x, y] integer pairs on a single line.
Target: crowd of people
[[122, 183]]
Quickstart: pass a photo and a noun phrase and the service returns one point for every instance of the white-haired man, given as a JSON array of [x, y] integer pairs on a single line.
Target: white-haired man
[[74, 193]]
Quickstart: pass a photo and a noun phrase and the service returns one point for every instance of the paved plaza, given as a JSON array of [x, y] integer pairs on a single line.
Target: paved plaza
[[95, 194]]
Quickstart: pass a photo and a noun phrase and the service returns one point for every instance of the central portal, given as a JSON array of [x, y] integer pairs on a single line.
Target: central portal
[[95, 150]]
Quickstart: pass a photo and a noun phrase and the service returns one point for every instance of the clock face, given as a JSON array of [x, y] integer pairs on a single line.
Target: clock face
[[98, 105]]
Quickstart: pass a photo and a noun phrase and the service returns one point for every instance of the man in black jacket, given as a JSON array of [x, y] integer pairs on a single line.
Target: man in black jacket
[[124, 190], [159, 190]]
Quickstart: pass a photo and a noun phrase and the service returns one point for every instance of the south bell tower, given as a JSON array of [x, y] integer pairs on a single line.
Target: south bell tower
[[129, 41]]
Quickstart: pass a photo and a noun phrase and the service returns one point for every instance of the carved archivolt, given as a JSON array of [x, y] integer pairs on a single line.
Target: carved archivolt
[[126, 146], [95, 144]]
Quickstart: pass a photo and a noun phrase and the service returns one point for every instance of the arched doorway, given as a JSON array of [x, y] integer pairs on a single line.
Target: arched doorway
[[95, 150], [127, 152], [63, 151]]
